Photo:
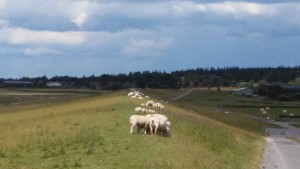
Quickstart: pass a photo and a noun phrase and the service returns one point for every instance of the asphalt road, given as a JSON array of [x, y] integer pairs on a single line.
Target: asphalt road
[[282, 152]]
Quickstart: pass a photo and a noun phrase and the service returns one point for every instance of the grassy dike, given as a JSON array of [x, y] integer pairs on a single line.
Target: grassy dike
[[94, 133]]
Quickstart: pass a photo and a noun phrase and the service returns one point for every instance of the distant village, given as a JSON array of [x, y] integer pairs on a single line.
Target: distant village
[[282, 83]]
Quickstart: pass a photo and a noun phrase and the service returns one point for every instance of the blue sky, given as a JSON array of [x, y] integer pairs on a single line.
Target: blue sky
[[86, 37]]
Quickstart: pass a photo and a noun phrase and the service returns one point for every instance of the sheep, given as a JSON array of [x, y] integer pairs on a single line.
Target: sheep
[[140, 97], [143, 104], [159, 126], [130, 94], [150, 111], [154, 124], [158, 122], [168, 128], [267, 108], [149, 103], [138, 121], [147, 97], [138, 109]]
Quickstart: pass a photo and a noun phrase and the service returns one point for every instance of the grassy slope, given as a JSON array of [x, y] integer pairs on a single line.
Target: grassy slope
[[94, 133]]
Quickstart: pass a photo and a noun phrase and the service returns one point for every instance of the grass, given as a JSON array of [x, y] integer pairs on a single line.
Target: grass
[[94, 133], [295, 124]]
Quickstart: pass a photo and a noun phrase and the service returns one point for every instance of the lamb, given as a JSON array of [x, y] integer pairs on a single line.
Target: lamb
[[138, 121]]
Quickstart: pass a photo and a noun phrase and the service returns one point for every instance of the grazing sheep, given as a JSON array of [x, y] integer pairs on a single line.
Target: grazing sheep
[[147, 97], [150, 111], [154, 124], [264, 112], [143, 104], [157, 122], [149, 103], [138, 109], [140, 97], [267, 108], [138, 121], [262, 109], [284, 111], [130, 94]]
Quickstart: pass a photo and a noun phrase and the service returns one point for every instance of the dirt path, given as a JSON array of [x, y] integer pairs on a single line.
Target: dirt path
[[182, 95], [281, 151]]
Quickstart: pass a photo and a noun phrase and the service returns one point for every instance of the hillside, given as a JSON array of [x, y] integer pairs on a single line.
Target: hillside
[[93, 132]]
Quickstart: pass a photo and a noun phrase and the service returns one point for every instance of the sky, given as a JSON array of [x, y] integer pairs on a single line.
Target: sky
[[95, 37]]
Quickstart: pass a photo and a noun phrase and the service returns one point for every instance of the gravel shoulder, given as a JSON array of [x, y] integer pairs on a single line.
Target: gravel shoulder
[[281, 151]]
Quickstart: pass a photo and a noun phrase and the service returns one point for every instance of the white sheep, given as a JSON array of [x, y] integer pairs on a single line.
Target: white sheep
[[130, 94], [138, 121], [267, 108], [149, 103], [157, 122], [264, 112], [143, 104], [150, 111], [138, 109], [147, 97]]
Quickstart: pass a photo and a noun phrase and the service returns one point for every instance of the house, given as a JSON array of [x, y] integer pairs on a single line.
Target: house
[[244, 91], [290, 87], [14, 83], [53, 84]]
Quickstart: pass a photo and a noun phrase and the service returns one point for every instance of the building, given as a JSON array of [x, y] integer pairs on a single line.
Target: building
[[290, 87], [53, 84], [244, 91], [13, 83]]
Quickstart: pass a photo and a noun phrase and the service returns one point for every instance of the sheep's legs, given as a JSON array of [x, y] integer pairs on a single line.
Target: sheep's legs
[[131, 129]]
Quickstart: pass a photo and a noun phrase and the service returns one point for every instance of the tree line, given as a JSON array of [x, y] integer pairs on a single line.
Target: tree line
[[199, 77]]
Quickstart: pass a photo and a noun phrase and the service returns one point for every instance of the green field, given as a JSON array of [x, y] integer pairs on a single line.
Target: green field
[[80, 130]]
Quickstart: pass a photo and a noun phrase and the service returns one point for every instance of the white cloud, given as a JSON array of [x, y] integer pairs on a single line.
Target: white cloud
[[2, 4], [40, 51], [25, 36], [238, 8], [146, 47], [79, 12]]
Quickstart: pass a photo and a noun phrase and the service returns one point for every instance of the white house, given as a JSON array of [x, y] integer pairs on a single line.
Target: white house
[[53, 84], [242, 91]]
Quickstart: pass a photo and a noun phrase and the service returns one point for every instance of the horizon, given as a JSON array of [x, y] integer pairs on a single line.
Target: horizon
[[152, 71], [94, 37]]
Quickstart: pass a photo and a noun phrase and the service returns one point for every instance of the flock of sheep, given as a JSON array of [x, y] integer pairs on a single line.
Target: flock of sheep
[[151, 122]]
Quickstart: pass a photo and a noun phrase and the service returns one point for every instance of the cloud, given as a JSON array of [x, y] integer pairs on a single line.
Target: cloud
[[146, 47], [2, 4], [25, 36], [40, 51], [80, 11]]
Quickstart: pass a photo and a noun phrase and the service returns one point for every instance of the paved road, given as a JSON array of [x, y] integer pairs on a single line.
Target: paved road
[[281, 152]]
